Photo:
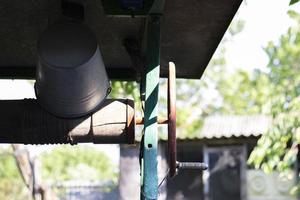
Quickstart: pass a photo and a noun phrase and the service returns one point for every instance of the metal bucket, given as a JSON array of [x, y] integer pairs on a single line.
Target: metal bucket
[[71, 80]]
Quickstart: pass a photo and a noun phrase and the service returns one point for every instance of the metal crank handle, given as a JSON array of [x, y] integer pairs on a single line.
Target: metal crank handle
[[192, 165]]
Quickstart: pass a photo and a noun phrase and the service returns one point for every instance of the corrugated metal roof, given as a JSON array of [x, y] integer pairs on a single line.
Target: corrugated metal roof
[[234, 126], [225, 126]]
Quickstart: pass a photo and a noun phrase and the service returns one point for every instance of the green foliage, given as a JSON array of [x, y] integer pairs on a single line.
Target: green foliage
[[13, 189], [236, 27], [77, 162], [278, 148], [293, 2], [275, 92], [12, 186], [245, 93], [63, 163], [8, 167], [125, 89]]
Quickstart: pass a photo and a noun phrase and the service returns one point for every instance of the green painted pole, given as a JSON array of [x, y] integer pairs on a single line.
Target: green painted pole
[[149, 189]]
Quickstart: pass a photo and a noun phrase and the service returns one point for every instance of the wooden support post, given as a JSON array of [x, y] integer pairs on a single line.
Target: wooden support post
[[24, 121]]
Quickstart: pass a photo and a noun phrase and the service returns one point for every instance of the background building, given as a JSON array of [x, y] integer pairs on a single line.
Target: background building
[[224, 143]]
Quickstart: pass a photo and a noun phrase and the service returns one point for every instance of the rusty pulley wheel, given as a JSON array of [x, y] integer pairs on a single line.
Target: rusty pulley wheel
[[172, 153], [175, 165]]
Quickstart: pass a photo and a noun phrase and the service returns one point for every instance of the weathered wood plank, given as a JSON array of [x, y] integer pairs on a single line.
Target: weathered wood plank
[[24, 121]]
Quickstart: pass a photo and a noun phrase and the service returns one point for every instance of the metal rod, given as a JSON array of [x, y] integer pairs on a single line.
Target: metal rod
[[192, 165], [24, 121], [140, 121]]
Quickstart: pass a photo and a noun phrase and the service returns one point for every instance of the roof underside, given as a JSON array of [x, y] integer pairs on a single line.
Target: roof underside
[[191, 31]]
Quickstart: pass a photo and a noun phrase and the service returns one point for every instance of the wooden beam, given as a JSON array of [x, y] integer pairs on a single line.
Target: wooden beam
[[24, 121], [29, 72]]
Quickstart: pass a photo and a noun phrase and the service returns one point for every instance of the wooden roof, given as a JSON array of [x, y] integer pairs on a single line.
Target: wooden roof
[[191, 31]]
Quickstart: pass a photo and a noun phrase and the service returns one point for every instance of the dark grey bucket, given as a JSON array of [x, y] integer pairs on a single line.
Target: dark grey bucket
[[71, 80]]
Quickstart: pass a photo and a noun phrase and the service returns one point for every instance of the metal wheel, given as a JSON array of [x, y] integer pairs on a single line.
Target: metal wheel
[[172, 152]]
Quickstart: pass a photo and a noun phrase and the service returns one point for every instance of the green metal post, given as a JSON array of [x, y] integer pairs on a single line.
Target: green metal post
[[149, 188]]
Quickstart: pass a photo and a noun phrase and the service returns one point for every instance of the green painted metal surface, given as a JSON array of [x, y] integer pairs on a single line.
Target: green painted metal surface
[[151, 86]]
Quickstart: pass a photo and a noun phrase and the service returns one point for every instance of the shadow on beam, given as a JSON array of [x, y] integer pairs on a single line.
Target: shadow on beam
[[25, 122]]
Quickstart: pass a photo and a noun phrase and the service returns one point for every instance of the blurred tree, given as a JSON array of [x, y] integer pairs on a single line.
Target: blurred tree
[[246, 93], [77, 162], [12, 186], [278, 148], [275, 92], [61, 164], [293, 2]]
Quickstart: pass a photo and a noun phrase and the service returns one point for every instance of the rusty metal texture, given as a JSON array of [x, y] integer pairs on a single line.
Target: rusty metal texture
[[130, 122], [140, 121], [172, 153], [26, 122]]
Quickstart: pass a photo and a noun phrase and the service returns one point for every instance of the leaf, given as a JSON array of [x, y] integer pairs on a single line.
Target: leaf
[[293, 2]]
